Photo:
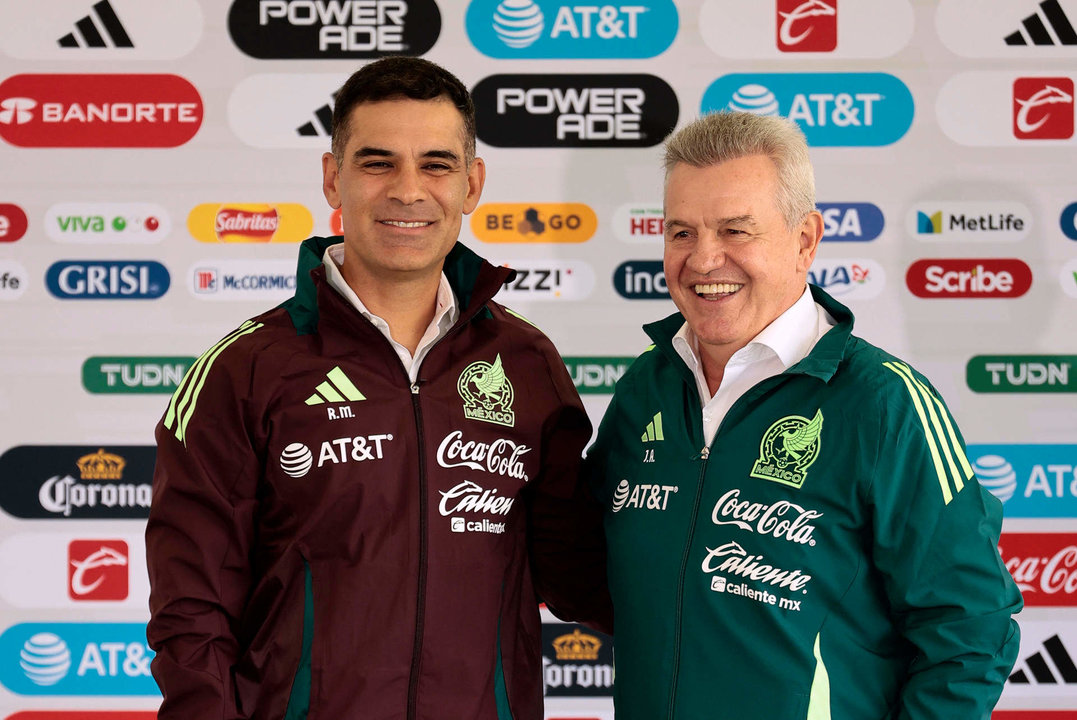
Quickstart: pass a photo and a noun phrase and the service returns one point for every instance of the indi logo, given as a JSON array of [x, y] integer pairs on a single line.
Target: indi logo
[[807, 25], [97, 570], [1043, 108]]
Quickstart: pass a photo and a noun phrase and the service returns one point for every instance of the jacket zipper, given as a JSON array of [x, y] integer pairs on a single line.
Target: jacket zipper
[[703, 454], [420, 598]]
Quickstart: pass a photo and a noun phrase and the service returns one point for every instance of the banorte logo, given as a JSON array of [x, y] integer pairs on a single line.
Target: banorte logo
[[250, 223], [129, 110], [1044, 566], [807, 25], [534, 223], [969, 278], [13, 222], [1043, 108]]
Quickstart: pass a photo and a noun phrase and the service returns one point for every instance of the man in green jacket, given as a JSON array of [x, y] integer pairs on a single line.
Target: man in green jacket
[[794, 529]]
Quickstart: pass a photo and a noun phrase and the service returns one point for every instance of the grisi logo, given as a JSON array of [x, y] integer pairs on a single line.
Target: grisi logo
[[788, 449], [296, 460]]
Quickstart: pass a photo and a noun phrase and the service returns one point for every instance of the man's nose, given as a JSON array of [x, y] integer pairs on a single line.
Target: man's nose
[[708, 254], [407, 185]]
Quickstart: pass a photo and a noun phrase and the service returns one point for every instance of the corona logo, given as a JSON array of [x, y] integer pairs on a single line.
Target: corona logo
[[101, 466], [577, 646]]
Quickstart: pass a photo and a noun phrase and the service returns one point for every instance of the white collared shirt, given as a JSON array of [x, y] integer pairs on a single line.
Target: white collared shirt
[[445, 312], [780, 345]]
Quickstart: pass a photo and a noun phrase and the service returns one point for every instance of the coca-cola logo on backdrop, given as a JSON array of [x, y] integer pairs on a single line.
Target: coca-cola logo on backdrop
[[1044, 565]]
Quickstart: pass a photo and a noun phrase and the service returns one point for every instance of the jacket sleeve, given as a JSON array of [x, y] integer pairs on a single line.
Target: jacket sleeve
[[567, 542], [936, 535], [198, 541]]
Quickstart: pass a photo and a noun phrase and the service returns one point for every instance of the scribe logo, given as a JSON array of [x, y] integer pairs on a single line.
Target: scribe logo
[[99, 110], [859, 279], [807, 25], [107, 222], [97, 570], [641, 280], [534, 223], [107, 279], [1021, 373], [596, 375], [851, 222], [13, 222], [13, 279], [250, 223], [134, 375], [969, 278], [513, 29], [1043, 108], [549, 280], [574, 110], [333, 29]]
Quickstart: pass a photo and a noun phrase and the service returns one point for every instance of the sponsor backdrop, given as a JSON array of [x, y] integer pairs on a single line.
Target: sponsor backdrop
[[160, 162]]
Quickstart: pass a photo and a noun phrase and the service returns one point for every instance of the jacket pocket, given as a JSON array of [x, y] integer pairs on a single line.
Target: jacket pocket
[[299, 698]]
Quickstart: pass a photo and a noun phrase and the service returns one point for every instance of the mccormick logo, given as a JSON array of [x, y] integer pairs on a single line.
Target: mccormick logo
[[97, 570], [99, 110], [1043, 108], [969, 278], [534, 223], [13, 222], [639, 223], [807, 25], [596, 375], [1044, 566], [978, 221], [788, 449], [514, 29], [107, 222], [250, 223], [547, 280], [1030, 480], [242, 279], [333, 29], [1022, 373], [833, 109], [574, 110], [844, 222], [107, 279], [641, 280], [77, 659], [12, 280], [859, 279], [576, 661], [138, 375], [487, 393]]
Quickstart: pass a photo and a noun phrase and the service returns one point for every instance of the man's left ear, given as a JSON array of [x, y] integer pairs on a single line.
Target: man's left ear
[[811, 233], [476, 178]]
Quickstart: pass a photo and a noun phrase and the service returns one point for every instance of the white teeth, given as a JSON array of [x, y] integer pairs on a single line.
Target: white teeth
[[718, 288], [401, 224]]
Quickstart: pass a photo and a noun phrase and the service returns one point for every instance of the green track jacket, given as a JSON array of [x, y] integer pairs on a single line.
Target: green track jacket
[[830, 555]]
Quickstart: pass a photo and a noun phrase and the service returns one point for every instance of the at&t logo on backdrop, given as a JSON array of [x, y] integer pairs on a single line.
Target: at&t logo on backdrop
[[1032, 481]]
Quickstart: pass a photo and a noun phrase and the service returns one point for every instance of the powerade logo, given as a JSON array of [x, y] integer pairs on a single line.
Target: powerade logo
[[111, 375], [833, 109], [107, 279], [76, 659], [1030, 480], [1022, 374], [641, 280], [596, 375], [333, 29], [512, 29], [574, 110], [851, 222], [1068, 221], [859, 279]]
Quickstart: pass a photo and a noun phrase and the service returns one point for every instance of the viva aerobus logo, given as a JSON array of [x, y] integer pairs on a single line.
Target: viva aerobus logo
[[1022, 373], [333, 29], [77, 659], [596, 375], [833, 109], [1031, 480], [99, 111], [513, 29], [107, 279], [110, 375]]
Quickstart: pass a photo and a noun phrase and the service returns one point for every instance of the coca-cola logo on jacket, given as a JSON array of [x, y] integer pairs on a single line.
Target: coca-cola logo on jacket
[[969, 278], [1044, 565]]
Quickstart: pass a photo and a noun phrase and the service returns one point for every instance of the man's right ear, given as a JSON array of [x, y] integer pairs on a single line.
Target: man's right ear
[[330, 178]]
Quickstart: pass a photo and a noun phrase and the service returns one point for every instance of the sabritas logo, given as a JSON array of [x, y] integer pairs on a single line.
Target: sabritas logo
[[534, 223], [99, 110], [250, 223], [807, 25], [13, 222], [97, 570], [1044, 565], [1043, 108], [969, 278]]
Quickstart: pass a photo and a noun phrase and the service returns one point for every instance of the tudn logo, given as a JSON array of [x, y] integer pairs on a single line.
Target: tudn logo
[[296, 460], [997, 475], [755, 99], [16, 110], [620, 495], [518, 23], [820, 25], [1033, 116], [45, 658]]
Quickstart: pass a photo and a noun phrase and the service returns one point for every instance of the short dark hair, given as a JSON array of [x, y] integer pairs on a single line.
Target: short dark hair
[[399, 76]]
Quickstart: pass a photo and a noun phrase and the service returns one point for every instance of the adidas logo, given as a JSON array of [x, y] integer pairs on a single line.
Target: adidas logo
[[654, 430], [1063, 672], [94, 34], [321, 125], [1038, 32], [337, 388]]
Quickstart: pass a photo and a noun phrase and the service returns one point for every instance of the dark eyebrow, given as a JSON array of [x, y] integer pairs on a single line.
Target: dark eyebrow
[[447, 155]]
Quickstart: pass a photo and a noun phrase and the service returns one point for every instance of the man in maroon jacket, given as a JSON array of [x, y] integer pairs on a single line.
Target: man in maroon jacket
[[360, 493]]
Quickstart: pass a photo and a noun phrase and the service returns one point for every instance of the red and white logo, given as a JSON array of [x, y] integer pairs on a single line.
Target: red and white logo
[[807, 25], [969, 278], [13, 222], [97, 570], [205, 280], [1044, 566], [99, 110], [1043, 108]]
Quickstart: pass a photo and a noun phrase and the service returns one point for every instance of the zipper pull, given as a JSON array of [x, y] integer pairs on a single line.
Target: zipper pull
[[705, 453], [415, 388]]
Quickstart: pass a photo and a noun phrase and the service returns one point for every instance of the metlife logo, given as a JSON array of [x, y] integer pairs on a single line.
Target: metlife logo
[[110, 375], [1006, 109], [833, 109], [858, 279], [851, 222], [641, 280], [968, 278], [534, 223], [547, 280], [13, 280], [1032, 481], [127, 223], [77, 659], [13, 222], [107, 279], [513, 29], [333, 29], [574, 110], [1022, 374], [973, 221], [261, 280]]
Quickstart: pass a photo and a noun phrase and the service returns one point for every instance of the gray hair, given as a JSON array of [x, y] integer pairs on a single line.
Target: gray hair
[[722, 136]]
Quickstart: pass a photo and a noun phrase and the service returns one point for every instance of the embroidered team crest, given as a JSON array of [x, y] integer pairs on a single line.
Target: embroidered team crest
[[487, 393], [788, 449]]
